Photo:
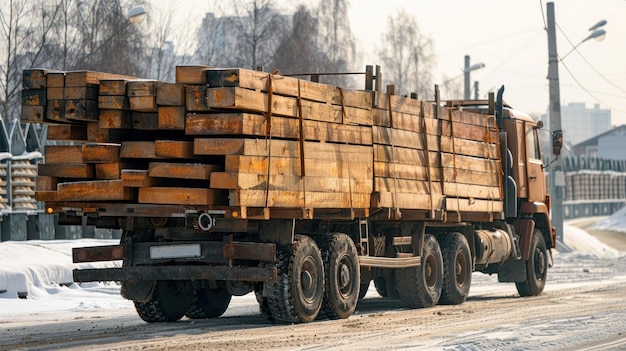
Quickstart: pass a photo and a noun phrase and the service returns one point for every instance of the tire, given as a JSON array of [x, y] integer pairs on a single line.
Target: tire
[[421, 286], [264, 307], [208, 303], [342, 276], [297, 294], [168, 303], [457, 269], [363, 290], [381, 286], [536, 268]]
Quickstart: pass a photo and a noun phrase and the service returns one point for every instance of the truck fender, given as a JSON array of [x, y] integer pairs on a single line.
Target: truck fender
[[138, 290]]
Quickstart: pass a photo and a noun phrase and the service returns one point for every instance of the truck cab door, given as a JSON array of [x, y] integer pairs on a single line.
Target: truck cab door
[[536, 179]]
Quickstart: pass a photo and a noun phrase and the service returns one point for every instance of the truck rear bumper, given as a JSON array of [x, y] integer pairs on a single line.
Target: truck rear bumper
[[186, 272]]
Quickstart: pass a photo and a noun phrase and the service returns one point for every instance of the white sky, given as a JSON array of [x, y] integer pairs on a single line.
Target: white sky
[[508, 36]]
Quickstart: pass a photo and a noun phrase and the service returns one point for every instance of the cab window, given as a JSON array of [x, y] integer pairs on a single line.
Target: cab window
[[532, 143]]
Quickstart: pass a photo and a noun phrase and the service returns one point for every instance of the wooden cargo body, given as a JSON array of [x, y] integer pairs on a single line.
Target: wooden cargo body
[[259, 143]]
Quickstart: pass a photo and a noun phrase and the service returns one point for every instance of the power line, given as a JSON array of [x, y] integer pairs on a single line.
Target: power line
[[589, 63]]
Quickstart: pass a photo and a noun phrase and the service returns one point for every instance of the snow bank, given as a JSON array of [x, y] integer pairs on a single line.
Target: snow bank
[[616, 222], [582, 242], [27, 267]]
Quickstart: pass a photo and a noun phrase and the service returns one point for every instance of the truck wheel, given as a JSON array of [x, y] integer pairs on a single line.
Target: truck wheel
[[342, 283], [208, 303], [421, 286], [363, 290], [168, 303], [297, 294], [536, 268], [381, 286], [457, 269]]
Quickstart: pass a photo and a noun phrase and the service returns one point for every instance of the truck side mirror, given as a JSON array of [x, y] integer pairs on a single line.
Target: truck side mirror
[[557, 142]]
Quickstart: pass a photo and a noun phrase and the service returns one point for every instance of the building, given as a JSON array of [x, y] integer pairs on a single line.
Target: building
[[608, 145]]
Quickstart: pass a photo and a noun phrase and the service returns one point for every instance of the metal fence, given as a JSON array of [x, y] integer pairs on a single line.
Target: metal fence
[[594, 186], [21, 216]]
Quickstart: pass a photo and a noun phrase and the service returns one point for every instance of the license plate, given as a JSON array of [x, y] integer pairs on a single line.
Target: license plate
[[175, 251]]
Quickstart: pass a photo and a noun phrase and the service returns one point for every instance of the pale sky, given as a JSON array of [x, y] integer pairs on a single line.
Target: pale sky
[[508, 36]]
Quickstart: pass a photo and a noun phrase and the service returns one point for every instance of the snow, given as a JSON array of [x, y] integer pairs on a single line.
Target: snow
[[41, 273], [616, 222]]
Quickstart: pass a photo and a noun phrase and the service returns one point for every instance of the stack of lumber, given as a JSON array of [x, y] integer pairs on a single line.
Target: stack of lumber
[[215, 137], [427, 159], [237, 137]]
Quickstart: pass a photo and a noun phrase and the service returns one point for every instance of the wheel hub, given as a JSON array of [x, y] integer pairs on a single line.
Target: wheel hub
[[307, 280], [344, 276]]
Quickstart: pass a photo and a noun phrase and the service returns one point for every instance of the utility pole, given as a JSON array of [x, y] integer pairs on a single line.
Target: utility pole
[[557, 177], [466, 78], [476, 90]]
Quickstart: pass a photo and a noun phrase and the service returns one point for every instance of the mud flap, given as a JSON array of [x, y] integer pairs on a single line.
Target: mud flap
[[512, 271], [138, 290]]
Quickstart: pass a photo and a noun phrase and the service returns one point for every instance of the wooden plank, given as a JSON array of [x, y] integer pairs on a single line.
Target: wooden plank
[[55, 93], [137, 149], [171, 117], [101, 153], [55, 79], [33, 114], [174, 149], [145, 120], [55, 110], [467, 117], [298, 199], [45, 183], [143, 103], [97, 134], [193, 74], [81, 110], [223, 180], [136, 178], [66, 132], [113, 102], [34, 97], [182, 170], [47, 196], [34, 78], [113, 87], [471, 191], [141, 87], [181, 196], [406, 201], [77, 170], [471, 163], [335, 114], [170, 94], [111, 170], [282, 148], [249, 100], [384, 184], [82, 78], [398, 103], [387, 153], [115, 119], [234, 123], [291, 166], [405, 171], [95, 190], [288, 86], [473, 205], [88, 92], [58, 154], [196, 98]]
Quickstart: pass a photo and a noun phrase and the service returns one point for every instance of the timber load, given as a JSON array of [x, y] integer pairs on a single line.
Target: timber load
[[258, 144]]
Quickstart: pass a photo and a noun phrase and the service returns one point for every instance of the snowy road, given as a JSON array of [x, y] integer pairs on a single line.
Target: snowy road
[[583, 307]]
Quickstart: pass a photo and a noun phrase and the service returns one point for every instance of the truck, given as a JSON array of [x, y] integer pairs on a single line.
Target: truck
[[234, 181]]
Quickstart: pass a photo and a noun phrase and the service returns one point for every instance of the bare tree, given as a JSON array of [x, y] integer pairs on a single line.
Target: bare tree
[[407, 55], [259, 29], [298, 52], [25, 32], [216, 44], [336, 41]]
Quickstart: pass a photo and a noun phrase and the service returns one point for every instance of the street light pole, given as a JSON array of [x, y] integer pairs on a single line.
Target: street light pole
[[557, 176], [466, 76]]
